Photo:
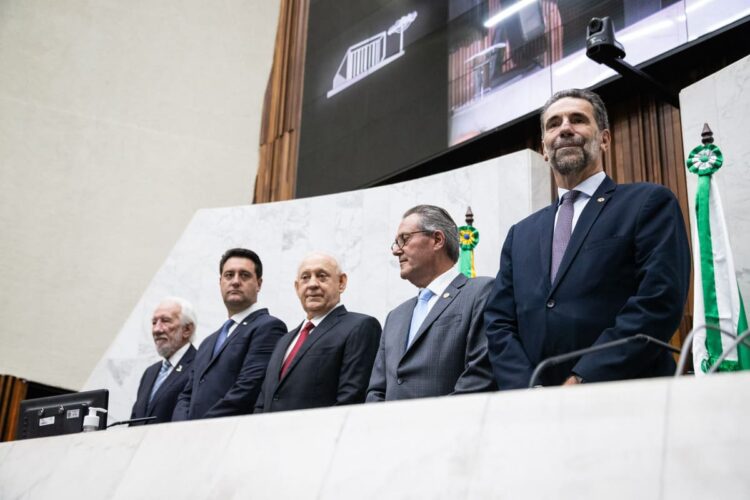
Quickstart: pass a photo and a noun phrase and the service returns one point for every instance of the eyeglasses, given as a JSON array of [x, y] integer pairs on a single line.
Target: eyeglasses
[[403, 238]]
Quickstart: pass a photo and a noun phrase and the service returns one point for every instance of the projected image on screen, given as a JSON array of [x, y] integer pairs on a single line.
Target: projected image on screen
[[366, 57], [374, 91], [390, 84]]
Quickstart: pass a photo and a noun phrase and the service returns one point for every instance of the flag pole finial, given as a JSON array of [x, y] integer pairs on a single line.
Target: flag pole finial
[[469, 217], [707, 135]]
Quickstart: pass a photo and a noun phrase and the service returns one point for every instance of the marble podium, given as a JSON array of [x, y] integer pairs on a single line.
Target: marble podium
[[650, 439]]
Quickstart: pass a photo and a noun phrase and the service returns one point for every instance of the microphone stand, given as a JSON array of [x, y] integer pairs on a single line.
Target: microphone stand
[[554, 360], [726, 352], [132, 421], [688, 344]]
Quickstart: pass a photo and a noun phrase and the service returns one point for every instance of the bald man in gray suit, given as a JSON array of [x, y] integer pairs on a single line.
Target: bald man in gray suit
[[432, 344]]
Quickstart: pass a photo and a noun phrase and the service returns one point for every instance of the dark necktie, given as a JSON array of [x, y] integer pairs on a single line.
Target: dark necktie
[[563, 228], [300, 340], [222, 335]]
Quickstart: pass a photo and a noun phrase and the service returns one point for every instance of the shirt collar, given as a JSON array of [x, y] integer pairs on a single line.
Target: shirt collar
[[587, 187], [439, 284], [318, 319], [175, 358], [244, 314]]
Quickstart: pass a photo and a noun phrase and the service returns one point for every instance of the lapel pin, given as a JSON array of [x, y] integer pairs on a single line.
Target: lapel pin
[[600, 200], [245, 323], [178, 369], [446, 295]]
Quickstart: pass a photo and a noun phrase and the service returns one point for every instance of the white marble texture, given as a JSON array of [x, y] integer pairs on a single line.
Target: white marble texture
[[357, 226], [722, 101], [648, 439], [706, 443]]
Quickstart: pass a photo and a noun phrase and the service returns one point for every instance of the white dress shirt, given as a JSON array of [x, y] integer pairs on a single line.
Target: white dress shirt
[[315, 321], [587, 189], [438, 286]]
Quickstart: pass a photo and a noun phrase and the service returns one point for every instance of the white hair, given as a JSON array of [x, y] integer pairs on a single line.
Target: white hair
[[187, 312]]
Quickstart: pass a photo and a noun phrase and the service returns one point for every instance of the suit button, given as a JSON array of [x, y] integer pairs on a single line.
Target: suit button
[[400, 381], [550, 303], [275, 398], [201, 380]]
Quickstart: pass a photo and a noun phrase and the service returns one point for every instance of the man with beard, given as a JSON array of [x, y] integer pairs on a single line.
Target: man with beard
[[604, 262], [172, 327]]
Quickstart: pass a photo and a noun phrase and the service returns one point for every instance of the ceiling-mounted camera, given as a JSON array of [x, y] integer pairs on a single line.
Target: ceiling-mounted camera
[[601, 44]]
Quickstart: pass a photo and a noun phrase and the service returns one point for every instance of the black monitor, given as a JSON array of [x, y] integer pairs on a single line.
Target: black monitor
[[63, 414]]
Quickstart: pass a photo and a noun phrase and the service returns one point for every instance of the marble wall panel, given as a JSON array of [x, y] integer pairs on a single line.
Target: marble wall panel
[[722, 101], [579, 442], [356, 226], [651, 439]]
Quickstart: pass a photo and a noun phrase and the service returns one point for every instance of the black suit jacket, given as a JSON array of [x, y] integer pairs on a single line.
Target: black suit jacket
[[229, 383], [626, 271], [331, 368], [165, 399]]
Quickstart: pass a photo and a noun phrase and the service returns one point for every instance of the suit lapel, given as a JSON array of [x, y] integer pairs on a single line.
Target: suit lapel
[[443, 301], [587, 218], [546, 233], [244, 325], [402, 325], [151, 375], [315, 335], [175, 374]]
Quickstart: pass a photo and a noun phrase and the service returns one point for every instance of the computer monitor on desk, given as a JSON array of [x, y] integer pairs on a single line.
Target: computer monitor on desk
[[63, 414]]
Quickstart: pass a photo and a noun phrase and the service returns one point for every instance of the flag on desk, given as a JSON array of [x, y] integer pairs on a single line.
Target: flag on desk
[[718, 303]]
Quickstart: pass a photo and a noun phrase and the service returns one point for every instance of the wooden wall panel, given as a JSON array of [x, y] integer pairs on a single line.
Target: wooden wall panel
[[12, 392], [282, 109]]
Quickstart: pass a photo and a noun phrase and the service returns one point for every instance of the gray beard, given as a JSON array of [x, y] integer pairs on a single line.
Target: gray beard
[[572, 164]]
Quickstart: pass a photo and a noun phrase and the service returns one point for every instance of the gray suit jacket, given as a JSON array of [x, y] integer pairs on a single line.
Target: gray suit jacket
[[448, 354]]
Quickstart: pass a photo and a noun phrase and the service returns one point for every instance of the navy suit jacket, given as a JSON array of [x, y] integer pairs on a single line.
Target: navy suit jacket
[[165, 399], [229, 383], [626, 271], [331, 368]]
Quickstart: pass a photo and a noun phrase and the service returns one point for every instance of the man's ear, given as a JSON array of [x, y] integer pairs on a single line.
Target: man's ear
[[606, 139], [439, 239], [188, 330], [343, 280]]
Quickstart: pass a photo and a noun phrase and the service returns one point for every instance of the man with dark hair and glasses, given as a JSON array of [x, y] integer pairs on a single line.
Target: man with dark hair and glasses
[[432, 344]]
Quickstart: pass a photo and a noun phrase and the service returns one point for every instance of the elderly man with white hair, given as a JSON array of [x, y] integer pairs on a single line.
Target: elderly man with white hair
[[172, 327]]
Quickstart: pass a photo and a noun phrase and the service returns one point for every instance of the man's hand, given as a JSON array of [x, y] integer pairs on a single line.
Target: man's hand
[[573, 380]]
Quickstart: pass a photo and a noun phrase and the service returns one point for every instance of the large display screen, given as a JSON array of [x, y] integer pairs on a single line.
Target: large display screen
[[390, 84]]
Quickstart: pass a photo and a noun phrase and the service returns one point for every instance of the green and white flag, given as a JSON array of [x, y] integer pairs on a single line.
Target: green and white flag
[[718, 302]]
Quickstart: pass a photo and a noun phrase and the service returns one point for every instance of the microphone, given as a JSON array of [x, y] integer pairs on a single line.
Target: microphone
[[688, 345], [560, 358], [132, 421]]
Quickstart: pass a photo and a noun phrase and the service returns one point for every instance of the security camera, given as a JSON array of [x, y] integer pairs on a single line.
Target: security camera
[[601, 45]]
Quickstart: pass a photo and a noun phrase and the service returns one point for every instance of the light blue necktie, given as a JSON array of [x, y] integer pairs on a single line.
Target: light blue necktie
[[223, 335], [419, 313], [160, 378]]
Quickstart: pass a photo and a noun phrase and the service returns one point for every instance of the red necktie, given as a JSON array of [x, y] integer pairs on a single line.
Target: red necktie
[[301, 340]]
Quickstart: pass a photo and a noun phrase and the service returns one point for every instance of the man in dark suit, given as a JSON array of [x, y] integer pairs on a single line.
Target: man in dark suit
[[172, 326], [432, 344], [231, 363], [327, 359], [606, 262]]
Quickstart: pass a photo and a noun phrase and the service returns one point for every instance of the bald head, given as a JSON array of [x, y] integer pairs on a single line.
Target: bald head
[[319, 284]]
